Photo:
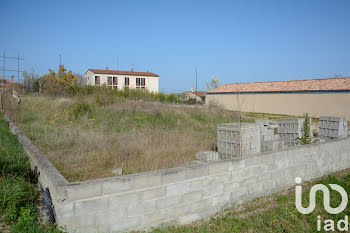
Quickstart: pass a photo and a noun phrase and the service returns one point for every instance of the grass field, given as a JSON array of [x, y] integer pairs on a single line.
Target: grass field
[[87, 137], [275, 213]]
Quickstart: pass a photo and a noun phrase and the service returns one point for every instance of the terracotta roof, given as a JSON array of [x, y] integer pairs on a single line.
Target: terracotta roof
[[7, 82], [199, 93], [312, 85], [121, 72]]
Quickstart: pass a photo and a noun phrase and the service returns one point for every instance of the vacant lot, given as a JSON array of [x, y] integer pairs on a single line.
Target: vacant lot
[[87, 137]]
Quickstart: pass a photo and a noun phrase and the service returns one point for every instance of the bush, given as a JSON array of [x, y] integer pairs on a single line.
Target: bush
[[79, 109], [27, 223]]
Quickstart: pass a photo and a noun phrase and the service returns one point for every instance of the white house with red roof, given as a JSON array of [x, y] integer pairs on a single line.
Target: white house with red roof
[[119, 79]]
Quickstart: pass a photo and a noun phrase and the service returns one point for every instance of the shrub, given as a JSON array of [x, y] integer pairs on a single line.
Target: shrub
[[27, 223], [79, 109]]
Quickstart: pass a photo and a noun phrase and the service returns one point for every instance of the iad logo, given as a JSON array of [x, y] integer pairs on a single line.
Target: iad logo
[[324, 189], [329, 223]]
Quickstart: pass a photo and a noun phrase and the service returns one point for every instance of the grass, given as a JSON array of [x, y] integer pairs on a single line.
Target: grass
[[88, 136], [18, 192], [275, 213]]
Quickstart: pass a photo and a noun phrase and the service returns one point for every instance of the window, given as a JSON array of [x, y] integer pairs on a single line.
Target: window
[[109, 81], [126, 82], [141, 83], [97, 80], [115, 81]]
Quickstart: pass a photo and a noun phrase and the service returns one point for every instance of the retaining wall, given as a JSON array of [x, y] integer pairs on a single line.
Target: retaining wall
[[182, 194]]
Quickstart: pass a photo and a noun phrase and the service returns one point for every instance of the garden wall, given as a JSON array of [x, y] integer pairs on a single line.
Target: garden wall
[[183, 194]]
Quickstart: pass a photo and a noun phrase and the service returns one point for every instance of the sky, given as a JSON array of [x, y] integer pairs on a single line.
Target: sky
[[236, 41]]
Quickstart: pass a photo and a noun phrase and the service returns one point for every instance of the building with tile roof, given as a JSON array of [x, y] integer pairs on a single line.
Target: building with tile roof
[[119, 79], [329, 96]]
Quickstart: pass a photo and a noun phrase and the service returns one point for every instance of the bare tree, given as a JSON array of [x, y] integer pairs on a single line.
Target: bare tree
[[30, 79], [81, 79], [214, 83]]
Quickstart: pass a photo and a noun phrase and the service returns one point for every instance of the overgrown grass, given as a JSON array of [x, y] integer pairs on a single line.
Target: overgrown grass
[[88, 136], [18, 193], [275, 213]]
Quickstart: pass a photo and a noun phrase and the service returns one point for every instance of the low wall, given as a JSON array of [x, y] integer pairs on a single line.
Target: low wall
[[182, 194]]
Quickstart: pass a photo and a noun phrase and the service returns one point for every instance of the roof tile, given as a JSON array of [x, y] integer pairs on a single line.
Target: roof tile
[[326, 84]]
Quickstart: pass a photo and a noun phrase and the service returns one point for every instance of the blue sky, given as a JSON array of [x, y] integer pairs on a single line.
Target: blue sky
[[238, 41]]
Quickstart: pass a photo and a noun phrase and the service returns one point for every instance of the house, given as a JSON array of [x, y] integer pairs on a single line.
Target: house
[[119, 79], [7, 83], [318, 97], [199, 96]]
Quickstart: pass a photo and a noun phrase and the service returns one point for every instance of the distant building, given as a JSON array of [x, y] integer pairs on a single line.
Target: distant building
[[7, 83], [199, 96], [119, 79], [318, 97]]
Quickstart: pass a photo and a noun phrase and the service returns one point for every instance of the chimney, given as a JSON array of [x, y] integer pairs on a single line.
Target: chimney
[[132, 69], [106, 67], [13, 78]]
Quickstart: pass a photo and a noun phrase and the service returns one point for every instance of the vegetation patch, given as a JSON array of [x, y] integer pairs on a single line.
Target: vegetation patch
[[18, 192]]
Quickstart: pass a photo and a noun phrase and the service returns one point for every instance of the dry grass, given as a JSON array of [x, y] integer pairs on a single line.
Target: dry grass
[[135, 136], [86, 139]]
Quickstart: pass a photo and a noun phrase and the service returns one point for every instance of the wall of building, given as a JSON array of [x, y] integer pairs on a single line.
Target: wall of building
[[152, 83], [183, 194], [317, 104]]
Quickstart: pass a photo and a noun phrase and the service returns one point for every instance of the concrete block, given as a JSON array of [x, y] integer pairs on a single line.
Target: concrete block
[[153, 193], [198, 170], [155, 217], [218, 167], [64, 209], [116, 185], [173, 175], [206, 156], [167, 202], [90, 206], [213, 191], [140, 181], [126, 224], [116, 201], [189, 219], [192, 196], [230, 187], [77, 191], [178, 188]]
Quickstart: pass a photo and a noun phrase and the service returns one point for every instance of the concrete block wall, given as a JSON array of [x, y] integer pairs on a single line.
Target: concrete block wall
[[183, 194], [332, 127]]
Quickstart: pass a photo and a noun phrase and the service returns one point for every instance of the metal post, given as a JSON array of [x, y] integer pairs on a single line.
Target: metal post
[[18, 69], [196, 86], [4, 67]]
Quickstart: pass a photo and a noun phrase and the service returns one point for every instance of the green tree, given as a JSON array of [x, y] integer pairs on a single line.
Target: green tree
[[214, 83], [306, 137]]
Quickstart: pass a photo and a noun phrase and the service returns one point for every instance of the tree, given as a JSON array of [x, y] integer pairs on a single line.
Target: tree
[[56, 82], [214, 83], [80, 79], [306, 137], [30, 79]]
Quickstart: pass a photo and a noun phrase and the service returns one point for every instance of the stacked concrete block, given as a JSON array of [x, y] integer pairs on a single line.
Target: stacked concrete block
[[236, 139], [272, 145], [206, 156], [289, 130], [332, 127]]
